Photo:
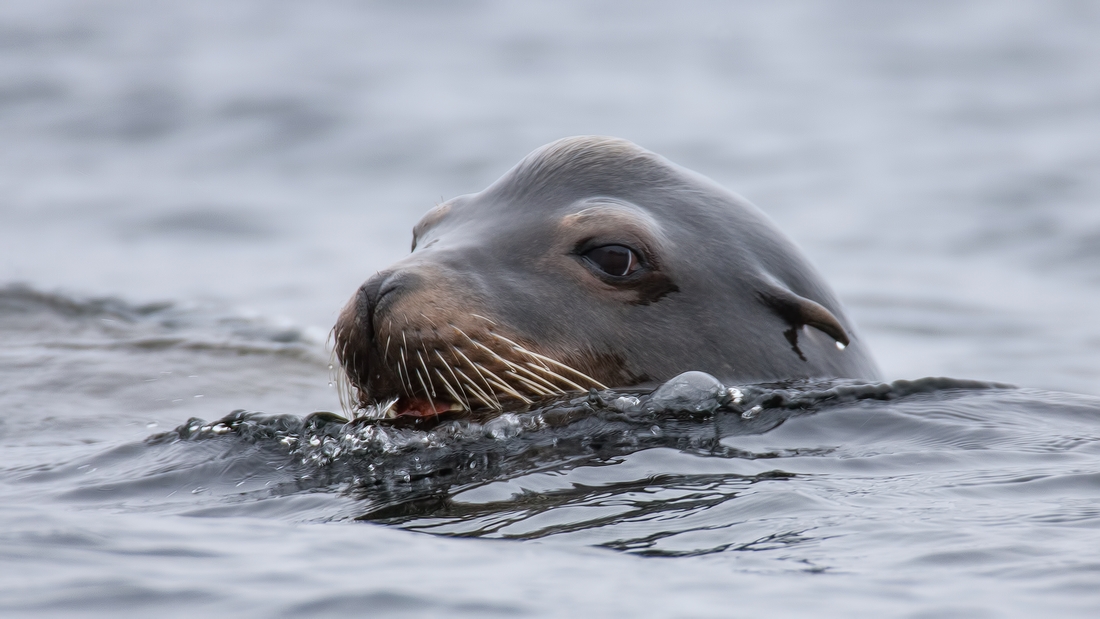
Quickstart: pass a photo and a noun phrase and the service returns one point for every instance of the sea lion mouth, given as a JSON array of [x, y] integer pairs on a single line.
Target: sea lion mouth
[[422, 407], [418, 369]]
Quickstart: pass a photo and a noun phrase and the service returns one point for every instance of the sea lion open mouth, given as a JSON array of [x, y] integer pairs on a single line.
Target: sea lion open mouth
[[591, 264]]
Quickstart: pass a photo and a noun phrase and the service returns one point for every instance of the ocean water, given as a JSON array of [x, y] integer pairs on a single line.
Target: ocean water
[[189, 192]]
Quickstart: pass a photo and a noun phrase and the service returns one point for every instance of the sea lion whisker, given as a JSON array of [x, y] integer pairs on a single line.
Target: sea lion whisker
[[484, 318], [404, 348], [552, 361], [516, 347], [354, 393], [344, 376], [478, 367], [503, 389], [493, 353], [554, 388], [425, 386], [340, 382], [447, 365], [477, 392], [474, 366], [487, 349], [430, 321], [386, 410], [555, 375], [401, 378], [447, 385], [550, 387], [491, 375], [463, 334], [406, 377], [537, 388], [426, 373], [542, 367], [502, 385], [487, 403]]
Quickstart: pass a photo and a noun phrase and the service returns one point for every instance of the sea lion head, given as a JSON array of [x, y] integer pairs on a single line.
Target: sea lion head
[[592, 263]]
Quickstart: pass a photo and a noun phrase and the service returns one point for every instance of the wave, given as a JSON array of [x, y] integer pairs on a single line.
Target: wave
[[58, 320]]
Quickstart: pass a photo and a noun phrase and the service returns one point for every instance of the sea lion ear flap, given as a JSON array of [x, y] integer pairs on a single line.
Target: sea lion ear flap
[[798, 311]]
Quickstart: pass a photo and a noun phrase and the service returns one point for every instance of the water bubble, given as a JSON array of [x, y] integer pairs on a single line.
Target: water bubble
[[696, 392]]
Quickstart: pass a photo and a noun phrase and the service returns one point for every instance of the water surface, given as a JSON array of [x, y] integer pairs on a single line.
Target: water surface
[[190, 192]]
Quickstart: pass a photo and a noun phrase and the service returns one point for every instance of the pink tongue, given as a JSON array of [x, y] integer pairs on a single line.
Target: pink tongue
[[416, 407]]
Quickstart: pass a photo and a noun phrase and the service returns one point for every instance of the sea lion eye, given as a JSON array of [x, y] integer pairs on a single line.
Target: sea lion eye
[[615, 260]]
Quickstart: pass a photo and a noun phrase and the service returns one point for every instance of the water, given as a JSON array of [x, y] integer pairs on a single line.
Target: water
[[190, 192]]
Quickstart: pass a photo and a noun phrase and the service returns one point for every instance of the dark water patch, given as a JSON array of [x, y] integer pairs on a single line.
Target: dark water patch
[[30, 91], [101, 595], [203, 222], [16, 299], [142, 113], [392, 603], [285, 120], [66, 322]]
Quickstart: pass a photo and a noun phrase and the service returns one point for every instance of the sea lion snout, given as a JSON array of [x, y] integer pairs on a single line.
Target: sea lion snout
[[419, 338]]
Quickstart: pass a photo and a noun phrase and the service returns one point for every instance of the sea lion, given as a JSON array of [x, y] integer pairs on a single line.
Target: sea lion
[[592, 263]]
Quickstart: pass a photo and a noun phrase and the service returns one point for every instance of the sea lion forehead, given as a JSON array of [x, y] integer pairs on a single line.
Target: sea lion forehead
[[585, 166], [432, 217], [586, 149], [599, 214]]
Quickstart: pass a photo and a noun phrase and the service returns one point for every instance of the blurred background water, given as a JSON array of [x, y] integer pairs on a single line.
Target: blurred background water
[[190, 191]]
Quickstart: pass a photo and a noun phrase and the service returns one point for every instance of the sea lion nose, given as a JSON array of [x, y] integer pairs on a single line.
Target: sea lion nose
[[367, 296], [378, 293]]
